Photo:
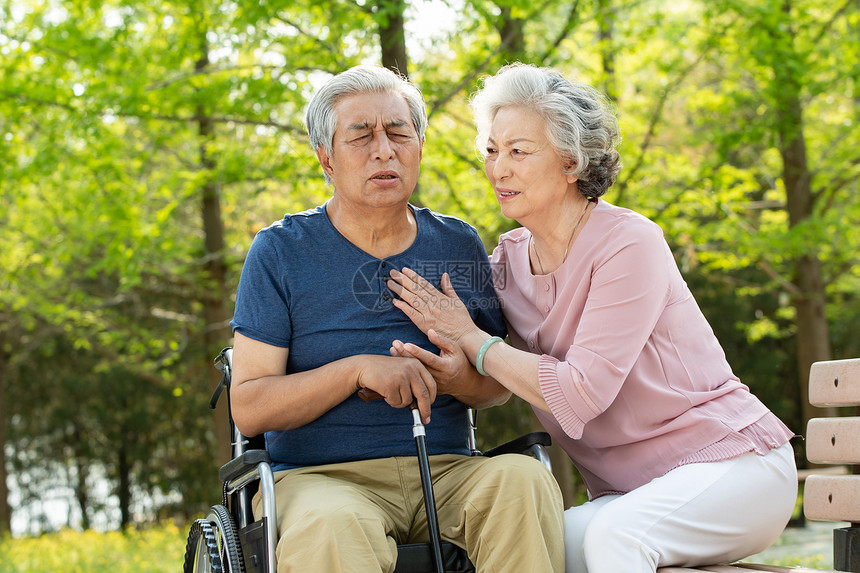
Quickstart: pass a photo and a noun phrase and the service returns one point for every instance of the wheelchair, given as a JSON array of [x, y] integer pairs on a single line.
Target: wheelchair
[[229, 540]]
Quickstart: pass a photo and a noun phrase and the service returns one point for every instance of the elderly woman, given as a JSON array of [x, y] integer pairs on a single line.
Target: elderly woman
[[683, 465]]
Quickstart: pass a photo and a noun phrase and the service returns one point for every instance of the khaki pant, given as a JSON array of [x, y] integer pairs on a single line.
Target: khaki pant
[[506, 511]]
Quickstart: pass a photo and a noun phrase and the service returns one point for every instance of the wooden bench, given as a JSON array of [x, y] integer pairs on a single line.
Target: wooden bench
[[827, 496]]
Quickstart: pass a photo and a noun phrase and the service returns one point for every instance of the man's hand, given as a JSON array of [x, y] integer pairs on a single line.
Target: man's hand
[[453, 373], [450, 368], [399, 380]]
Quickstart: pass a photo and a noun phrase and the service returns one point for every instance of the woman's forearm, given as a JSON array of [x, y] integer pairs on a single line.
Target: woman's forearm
[[514, 369]]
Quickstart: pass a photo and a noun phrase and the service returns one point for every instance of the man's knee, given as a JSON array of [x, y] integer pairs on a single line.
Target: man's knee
[[331, 537], [332, 520], [526, 477], [516, 486], [516, 517]]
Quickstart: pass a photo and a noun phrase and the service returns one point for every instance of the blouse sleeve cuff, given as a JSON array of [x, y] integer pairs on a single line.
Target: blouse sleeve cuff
[[556, 398]]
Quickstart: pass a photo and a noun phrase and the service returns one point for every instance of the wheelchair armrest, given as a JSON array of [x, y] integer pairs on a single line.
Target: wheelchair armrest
[[521, 444], [239, 465]]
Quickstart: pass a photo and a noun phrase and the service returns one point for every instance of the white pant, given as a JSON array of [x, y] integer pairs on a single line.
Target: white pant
[[697, 514]]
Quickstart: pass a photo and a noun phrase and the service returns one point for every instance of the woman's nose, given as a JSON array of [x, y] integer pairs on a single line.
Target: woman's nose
[[501, 168]]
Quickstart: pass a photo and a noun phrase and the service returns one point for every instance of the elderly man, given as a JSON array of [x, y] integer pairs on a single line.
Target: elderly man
[[315, 327]]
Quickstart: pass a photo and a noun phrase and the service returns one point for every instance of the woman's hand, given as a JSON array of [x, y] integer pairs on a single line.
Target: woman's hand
[[453, 372], [449, 368], [428, 308]]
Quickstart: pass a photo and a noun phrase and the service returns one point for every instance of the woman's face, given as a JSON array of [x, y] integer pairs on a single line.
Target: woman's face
[[526, 173]]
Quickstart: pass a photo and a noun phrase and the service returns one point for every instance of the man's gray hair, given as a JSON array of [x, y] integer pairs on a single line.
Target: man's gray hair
[[320, 117], [581, 124]]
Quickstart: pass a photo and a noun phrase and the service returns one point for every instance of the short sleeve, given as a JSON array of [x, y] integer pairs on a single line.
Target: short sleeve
[[262, 300]]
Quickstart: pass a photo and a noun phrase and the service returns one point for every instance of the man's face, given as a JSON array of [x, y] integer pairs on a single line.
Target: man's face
[[376, 153]]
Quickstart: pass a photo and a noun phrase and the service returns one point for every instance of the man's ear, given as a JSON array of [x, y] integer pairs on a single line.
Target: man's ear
[[325, 161]]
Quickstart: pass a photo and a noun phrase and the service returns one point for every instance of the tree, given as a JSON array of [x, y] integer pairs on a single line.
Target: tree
[[122, 277], [5, 508], [143, 144], [777, 85]]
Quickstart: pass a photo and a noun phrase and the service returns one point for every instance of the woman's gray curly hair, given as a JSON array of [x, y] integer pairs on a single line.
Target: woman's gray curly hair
[[581, 124]]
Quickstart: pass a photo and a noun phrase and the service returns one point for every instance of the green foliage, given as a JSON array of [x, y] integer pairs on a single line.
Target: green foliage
[[117, 119]]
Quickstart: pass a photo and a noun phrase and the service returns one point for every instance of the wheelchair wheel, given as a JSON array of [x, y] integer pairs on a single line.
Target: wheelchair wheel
[[213, 545], [201, 550]]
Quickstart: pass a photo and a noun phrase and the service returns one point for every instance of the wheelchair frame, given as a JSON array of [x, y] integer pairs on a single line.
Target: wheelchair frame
[[229, 540]]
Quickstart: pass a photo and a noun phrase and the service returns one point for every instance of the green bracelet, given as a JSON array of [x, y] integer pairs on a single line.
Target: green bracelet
[[479, 360]]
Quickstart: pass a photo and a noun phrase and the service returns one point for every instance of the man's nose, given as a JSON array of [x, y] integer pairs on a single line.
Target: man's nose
[[382, 148]]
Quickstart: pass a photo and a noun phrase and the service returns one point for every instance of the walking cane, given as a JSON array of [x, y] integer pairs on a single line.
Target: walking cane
[[427, 485], [426, 481]]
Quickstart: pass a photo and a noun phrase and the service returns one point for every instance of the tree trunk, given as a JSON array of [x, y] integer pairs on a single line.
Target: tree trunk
[[392, 36], [5, 508], [606, 28], [82, 492], [216, 333], [124, 489], [512, 33], [813, 333]]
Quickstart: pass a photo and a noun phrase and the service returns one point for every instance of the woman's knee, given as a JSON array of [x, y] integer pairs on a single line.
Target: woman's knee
[[605, 529], [609, 546], [577, 520]]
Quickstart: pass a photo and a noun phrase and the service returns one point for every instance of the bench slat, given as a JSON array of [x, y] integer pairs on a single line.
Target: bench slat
[[833, 440], [835, 383], [743, 568], [832, 498], [752, 567]]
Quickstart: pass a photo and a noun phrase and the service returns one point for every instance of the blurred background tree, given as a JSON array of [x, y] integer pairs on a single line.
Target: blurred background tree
[[142, 144]]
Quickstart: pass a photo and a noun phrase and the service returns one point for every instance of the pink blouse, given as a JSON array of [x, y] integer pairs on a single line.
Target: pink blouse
[[635, 378]]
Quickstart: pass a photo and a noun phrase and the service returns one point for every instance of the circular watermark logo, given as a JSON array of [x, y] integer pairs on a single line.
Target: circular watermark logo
[[369, 288], [469, 279]]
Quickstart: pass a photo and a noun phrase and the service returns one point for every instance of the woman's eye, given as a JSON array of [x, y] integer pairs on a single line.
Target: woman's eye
[[491, 151]]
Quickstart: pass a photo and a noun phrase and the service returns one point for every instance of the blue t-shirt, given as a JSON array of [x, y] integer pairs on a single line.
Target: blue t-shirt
[[305, 287]]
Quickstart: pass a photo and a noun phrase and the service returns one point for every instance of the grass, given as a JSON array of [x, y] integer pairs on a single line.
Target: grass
[[810, 546], [156, 550], [162, 550]]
